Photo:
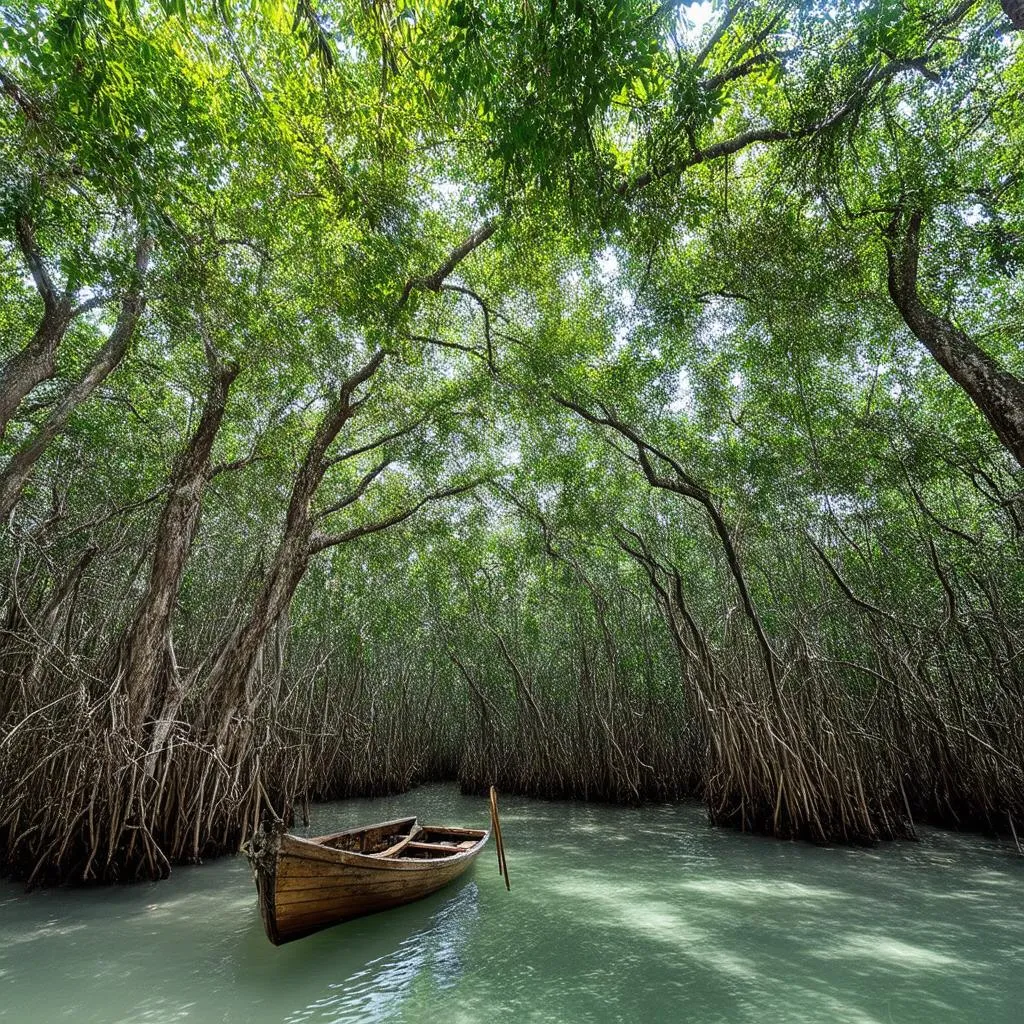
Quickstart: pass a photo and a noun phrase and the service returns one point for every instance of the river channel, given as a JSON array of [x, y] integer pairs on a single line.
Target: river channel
[[615, 914]]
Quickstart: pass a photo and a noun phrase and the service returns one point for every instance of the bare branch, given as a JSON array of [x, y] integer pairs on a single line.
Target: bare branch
[[433, 282], [717, 35], [354, 495], [459, 289], [685, 485], [842, 584], [322, 541], [235, 464], [472, 350], [89, 304], [351, 453], [363, 374]]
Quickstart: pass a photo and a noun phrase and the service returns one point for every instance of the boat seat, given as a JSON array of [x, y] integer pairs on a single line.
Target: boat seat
[[440, 847], [392, 850]]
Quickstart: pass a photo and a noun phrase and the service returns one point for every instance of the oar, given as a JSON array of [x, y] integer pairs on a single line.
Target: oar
[[498, 841], [496, 828]]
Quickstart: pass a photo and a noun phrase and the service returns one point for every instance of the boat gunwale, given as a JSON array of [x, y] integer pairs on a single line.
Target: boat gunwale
[[413, 819], [299, 864], [299, 848]]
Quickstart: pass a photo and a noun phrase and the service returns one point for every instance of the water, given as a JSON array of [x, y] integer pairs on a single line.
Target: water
[[615, 915]]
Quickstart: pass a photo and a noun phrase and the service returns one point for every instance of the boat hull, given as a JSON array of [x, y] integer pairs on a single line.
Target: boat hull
[[305, 886]]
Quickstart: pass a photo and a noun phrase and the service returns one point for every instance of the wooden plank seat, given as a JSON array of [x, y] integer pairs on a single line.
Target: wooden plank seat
[[450, 848], [391, 851]]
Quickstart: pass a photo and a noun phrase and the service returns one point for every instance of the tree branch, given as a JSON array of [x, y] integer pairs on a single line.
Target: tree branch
[[351, 453], [89, 304], [472, 350], [235, 464], [34, 258], [459, 289], [728, 147], [433, 282], [996, 392], [322, 541], [354, 495], [717, 35], [687, 486], [12, 87]]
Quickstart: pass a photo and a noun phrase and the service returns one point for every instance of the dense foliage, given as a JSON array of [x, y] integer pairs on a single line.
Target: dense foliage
[[600, 398]]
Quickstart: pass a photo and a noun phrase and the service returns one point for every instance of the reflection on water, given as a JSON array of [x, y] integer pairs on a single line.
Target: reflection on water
[[615, 914], [375, 992]]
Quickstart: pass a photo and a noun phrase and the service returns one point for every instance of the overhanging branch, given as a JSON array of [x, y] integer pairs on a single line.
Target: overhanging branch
[[322, 541], [432, 282]]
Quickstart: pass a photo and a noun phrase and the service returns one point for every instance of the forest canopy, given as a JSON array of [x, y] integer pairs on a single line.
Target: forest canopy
[[600, 398]]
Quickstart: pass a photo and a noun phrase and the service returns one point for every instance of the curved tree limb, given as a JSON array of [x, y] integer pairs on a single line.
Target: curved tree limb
[[432, 282], [687, 486], [997, 393]]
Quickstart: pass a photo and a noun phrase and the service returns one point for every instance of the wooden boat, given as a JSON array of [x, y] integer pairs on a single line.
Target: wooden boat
[[308, 884]]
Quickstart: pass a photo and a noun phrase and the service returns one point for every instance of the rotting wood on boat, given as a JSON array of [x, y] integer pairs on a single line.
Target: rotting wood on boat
[[308, 884]]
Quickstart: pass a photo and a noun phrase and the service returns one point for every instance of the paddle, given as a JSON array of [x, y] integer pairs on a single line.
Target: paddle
[[496, 828]]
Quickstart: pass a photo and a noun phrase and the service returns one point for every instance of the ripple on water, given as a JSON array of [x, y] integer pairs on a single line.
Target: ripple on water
[[616, 914]]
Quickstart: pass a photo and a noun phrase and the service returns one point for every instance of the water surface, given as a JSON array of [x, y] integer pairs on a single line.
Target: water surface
[[615, 915]]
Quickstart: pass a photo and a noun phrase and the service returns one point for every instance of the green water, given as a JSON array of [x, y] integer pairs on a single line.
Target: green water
[[614, 915]]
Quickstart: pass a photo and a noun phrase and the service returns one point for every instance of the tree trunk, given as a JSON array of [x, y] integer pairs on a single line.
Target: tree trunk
[[229, 679], [997, 393], [146, 646], [36, 362], [106, 360], [229, 687], [1014, 10], [229, 682]]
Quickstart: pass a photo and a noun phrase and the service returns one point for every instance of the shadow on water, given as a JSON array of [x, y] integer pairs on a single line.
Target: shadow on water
[[616, 914]]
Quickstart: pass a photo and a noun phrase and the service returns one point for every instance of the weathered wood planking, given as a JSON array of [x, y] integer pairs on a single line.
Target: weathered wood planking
[[308, 884]]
